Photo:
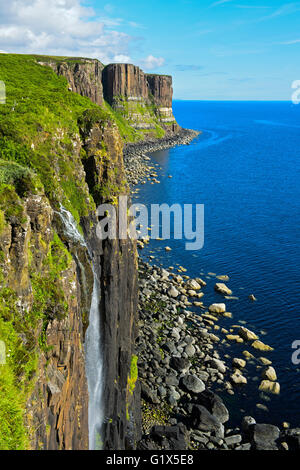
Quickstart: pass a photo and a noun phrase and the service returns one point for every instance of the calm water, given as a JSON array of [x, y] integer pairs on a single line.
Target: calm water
[[245, 169]]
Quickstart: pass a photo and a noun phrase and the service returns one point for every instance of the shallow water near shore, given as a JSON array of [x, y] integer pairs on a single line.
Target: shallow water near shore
[[245, 169]]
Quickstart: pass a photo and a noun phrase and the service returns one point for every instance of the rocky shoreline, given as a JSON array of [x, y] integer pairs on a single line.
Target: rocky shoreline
[[136, 157], [180, 367]]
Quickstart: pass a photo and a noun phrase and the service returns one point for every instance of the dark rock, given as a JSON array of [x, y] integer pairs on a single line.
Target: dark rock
[[179, 363], [192, 384], [203, 420], [264, 437], [214, 404], [149, 395]]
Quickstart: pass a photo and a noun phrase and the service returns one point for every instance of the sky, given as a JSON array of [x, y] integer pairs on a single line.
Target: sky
[[215, 50]]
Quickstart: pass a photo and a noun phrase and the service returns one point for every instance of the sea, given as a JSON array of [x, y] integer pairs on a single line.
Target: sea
[[244, 168]]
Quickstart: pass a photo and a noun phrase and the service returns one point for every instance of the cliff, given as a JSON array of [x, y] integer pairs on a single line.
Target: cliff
[[141, 103], [84, 76], [144, 100], [60, 156]]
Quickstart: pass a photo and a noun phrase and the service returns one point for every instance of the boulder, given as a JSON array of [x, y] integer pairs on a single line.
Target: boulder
[[214, 404], [238, 363], [193, 285], [246, 334], [149, 395], [222, 289], [192, 384], [218, 364], [261, 346], [173, 292], [203, 420], [269, 373], [217, 308], [264, 437], [270, 387], [238, 379], [180, 364]]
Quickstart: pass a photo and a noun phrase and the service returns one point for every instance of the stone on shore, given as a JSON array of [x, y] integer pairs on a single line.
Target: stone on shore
[[222, 289], [173, 292], [193, 285], [238, 363], [203, 420], [261, 346], [238, 379], [193, 384], [218, 364], [264, 436], [217, 308], [246, 334], [270, 387], [214, 404], [269, 373]]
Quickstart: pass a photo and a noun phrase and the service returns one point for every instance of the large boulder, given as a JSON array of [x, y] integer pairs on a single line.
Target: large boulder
[[203, 420], [264, 436], [246, 334], [192, 384], [217, 308], [180, 364], [269, 373], [270, 387], [222, 289], [214, 404]]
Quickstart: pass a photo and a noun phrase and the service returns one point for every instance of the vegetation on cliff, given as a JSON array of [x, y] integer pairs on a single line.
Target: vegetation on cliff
[[41, 155]]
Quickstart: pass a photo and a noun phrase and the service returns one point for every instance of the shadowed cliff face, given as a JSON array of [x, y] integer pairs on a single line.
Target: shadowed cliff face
[[48, 316], [116, 265]]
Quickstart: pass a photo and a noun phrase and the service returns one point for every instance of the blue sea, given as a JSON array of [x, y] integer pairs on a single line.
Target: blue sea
[[245, 169]]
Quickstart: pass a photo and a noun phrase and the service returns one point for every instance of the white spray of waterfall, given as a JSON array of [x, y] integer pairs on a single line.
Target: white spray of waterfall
[[94, 370], [70, 226], [93, 351]]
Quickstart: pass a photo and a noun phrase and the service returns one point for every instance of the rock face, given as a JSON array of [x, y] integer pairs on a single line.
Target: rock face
[[84, 77], [116, 261], [57, 411], [145, 100], [124, 80]]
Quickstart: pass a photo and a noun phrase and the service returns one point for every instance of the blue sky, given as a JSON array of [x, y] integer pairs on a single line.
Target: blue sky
[[226, 49]]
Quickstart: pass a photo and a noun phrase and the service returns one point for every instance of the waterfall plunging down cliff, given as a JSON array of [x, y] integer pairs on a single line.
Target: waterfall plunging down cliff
[[94, 369], [93, 352]]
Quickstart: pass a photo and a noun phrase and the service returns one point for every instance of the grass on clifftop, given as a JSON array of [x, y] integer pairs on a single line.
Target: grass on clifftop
[[39, 128]]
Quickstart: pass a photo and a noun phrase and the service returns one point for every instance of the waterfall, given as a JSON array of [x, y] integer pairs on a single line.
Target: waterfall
[[93, 353], [94, 369]]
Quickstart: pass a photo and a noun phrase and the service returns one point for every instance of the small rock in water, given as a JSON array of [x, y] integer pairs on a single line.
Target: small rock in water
[[261, 346], [217, 308], [239, 363], [238, 379], [270, 387], [252, 298], [246, 334], [269, 373], [222, 289]]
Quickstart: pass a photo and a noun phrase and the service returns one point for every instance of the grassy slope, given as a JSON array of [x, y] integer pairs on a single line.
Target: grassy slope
[[38, 134]]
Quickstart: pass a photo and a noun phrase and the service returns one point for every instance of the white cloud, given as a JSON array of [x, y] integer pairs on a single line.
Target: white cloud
[[152, 62], [122, 59], [287, 43], [60, 27], [219, 2]]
